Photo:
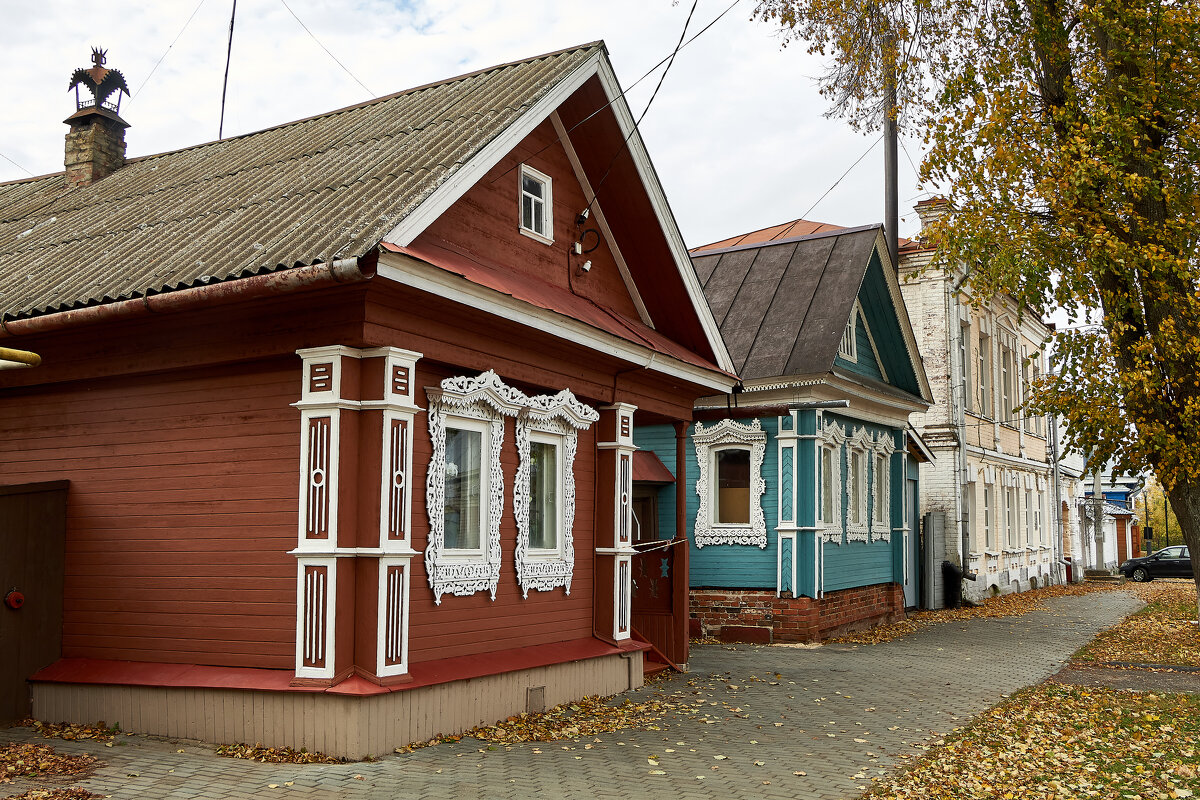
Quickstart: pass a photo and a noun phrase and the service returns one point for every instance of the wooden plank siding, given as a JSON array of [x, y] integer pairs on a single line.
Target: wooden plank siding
[[484, 223], [181, 510], [726, 566], [473, 625], [351, 727]]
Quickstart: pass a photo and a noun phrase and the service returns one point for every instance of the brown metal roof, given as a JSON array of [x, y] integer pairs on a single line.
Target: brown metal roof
[[323, 188], [782, 305], [784, 230]]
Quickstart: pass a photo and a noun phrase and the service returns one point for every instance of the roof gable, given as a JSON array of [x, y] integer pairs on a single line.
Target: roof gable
[[338, 185], [784, 305]]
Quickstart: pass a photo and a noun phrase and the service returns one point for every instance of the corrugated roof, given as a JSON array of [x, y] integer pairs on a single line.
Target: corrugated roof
[[782, 306], [323, 188]]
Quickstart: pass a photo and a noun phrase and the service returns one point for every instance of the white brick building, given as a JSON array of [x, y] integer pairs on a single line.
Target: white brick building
[[992, 478]]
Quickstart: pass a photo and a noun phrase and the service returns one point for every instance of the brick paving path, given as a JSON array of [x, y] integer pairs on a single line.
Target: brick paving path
[[839, 714]]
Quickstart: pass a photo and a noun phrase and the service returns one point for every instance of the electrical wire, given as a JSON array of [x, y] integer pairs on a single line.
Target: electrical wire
[[326, 49], [168, 50], [844, 174], [624, 92], [18, 166], [637, 122], [228, 58]]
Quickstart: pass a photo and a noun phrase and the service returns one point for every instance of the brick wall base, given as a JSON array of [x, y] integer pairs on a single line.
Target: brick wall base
[[761, 617]]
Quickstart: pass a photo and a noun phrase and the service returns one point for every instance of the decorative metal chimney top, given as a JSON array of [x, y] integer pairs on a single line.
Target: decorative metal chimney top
[[101, 82]]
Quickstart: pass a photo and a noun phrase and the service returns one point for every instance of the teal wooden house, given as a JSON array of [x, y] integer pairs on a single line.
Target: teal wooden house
[[801, 489]]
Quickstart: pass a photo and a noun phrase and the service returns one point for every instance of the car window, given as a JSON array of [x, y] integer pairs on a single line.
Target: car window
[[1172, 552], [1185, 553]]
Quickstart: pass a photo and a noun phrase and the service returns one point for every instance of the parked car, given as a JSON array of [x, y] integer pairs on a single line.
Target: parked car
[[1170, 562]]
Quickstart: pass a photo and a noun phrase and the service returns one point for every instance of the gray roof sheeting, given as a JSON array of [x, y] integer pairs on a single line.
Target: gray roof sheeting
[[782, 306], [316, 190]]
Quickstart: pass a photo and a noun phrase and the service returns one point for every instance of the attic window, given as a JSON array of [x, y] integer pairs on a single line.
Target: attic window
[[537, 203], [848, 349]]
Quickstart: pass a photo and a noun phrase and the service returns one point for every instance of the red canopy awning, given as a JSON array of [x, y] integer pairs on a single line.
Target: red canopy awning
[[649, 468]]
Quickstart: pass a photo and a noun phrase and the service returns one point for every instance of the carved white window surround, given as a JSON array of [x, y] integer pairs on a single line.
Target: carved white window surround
[[860, 444], [707, 442], [881, 525], [560, 416], [486, 399], [833, 436]]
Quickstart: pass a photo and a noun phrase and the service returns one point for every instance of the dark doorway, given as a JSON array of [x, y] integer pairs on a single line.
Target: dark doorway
[[33, 524]]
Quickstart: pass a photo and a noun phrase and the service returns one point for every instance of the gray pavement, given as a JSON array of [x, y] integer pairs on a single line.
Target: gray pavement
[[766, 722]]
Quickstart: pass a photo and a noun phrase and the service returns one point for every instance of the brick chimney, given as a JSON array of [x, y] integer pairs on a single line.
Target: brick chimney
[[96, 141]]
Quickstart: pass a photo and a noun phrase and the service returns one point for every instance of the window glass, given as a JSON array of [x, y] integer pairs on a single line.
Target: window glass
[[856, 487], [464, 488], [532, 186], [881, 480], [733, 487], [534, 196], [543, 496], [827, 486]]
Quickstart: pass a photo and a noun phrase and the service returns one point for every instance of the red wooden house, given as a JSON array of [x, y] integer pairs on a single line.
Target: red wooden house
[[337, 416]]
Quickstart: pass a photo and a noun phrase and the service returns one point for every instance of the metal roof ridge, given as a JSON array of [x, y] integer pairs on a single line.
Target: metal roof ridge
[[791, 240]]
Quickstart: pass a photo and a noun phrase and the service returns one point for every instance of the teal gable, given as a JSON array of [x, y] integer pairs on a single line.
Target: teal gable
[[819, 436]]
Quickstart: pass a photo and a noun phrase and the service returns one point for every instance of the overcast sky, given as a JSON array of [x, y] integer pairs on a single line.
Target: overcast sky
[[737, 132]]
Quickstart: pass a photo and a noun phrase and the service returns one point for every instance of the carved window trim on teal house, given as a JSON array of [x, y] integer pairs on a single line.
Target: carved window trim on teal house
[[729, 434], [833, 436]]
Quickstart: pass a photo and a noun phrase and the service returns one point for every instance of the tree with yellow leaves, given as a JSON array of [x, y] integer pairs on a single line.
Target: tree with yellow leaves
[[1066, 136]]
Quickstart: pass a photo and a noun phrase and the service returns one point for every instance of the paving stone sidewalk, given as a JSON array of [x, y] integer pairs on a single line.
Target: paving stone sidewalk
[[839, 714]]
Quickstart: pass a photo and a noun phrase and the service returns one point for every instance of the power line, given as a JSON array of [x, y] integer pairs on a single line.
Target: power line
[[173, 41], [637, 122], [18, 166], [839, 180], [624, 92], [326, 49], [228, 58]]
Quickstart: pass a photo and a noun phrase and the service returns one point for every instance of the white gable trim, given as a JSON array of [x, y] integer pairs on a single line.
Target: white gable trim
[[858, 309], [564, 137], [470, 173], [410, 271], [474, 170], [658, 199], [910, 340]]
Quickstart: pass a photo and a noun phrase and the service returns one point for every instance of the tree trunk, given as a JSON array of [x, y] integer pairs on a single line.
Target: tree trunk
[[1185, 501]]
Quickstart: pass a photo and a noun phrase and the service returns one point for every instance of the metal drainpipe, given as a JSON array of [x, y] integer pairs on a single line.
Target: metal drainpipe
[[960, 419]]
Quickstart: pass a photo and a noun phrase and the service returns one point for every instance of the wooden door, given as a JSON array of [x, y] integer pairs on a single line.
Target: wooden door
[[33, 524], [657, 580]]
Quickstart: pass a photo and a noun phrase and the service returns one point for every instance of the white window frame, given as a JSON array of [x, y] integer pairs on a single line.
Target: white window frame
[[986, 390], [858, 512], [459, 402], [989, 526], [833, 436], [881, 490], [1029, 521], [1010, 380], [554, 419], [848, 347], [1010, 517], [725, 435], [484, 429], [547, 204]]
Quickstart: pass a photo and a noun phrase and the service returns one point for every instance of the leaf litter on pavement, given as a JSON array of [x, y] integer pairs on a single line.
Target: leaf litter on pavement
[[1054, 742], [1163, 633], [1005, 605], [28, 760]]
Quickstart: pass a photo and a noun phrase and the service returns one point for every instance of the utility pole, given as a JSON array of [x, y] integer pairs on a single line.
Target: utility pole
[[891, 213]]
